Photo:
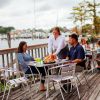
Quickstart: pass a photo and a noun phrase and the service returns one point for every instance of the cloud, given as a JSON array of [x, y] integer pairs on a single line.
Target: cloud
[[20, 14], [4, 3]]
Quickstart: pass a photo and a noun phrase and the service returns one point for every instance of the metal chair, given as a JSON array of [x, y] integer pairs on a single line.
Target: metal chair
[[15, 82], [67, 73], [92, 61], [32, 75]]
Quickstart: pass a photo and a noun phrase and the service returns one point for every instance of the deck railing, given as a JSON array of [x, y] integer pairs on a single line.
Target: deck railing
[[8, 57]]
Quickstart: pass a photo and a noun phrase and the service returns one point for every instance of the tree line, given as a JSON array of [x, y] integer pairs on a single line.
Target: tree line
[[5, 30], [87, 11]]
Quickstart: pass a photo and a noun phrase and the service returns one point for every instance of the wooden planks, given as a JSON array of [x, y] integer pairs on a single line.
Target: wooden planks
[[86, 94]]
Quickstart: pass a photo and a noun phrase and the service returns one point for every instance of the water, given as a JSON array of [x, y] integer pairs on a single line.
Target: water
[[15, 43]]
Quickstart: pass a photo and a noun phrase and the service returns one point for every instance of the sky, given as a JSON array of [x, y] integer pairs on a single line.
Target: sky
[[24, 14]]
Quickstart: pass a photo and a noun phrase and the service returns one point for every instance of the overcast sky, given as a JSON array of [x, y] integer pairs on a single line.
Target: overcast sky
[[20, 13]]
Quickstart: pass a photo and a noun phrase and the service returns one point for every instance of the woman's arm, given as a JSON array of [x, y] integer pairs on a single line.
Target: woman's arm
[[50, 45], [31, 58], [21, 61]]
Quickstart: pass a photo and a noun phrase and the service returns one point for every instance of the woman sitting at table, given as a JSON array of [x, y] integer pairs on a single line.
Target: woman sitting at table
[[24, 57]]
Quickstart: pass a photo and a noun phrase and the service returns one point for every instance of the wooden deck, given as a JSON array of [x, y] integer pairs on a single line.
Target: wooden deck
[[86, 94]]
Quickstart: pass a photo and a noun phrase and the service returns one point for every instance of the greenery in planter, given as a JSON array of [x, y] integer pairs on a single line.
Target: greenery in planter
[[2, 83], [1, 87]]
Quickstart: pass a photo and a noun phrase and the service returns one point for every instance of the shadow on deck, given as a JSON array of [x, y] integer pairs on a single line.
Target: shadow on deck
[[86, 94]]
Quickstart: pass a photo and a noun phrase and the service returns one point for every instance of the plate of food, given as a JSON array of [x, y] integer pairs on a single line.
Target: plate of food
[[49, 59], [49, 62]]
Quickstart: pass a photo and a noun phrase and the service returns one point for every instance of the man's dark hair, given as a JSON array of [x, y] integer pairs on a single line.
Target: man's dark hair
[[20, 47], [74, 36]]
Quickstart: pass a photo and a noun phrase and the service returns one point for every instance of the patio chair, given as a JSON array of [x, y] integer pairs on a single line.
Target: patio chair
[[32, 76], [98, 60], [10, 83], [94, 56], [92, 61], [67, 73]]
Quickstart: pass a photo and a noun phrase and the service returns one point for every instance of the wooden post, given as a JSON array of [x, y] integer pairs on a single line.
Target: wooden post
[[9, 39]]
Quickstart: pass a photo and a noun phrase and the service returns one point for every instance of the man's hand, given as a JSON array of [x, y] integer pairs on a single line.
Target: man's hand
[[77, 60]]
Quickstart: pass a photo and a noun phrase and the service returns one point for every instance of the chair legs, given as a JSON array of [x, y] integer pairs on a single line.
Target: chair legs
[[86, 81], [8, 92], [29, 89], [78, 80], [61, 91], [36, 88], [77, 89], [53, 85], [93, 66], [33, 77], [4, 92], [64, 89], [47, 92], [3, 98]]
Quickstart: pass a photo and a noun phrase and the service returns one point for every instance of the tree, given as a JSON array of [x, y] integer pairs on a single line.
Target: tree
[[98, 24], [92, 12], [85, 11], [5, 30], [86, 28], [79, 14]]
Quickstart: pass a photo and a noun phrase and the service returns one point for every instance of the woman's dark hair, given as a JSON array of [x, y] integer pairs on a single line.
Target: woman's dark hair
[[20, 47], [57, 29]]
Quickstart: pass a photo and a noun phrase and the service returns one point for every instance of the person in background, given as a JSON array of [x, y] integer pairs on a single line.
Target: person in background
[[98, 55], [98, 47], [57, 44], [76, 53], [84, 44], [24, 57]]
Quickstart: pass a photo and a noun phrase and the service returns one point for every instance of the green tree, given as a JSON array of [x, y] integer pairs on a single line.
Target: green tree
[[87, 28], [92, 13], [98, 24], [85, 11], [5, 30], [79, 14]]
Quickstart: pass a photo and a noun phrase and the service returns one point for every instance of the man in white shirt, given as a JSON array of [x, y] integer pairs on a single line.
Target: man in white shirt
[[57, 44]]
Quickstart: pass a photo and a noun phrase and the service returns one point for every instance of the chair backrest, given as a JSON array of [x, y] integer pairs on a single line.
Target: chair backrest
[[88, 52], [68, 69], [22, 73], [94, 54]]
